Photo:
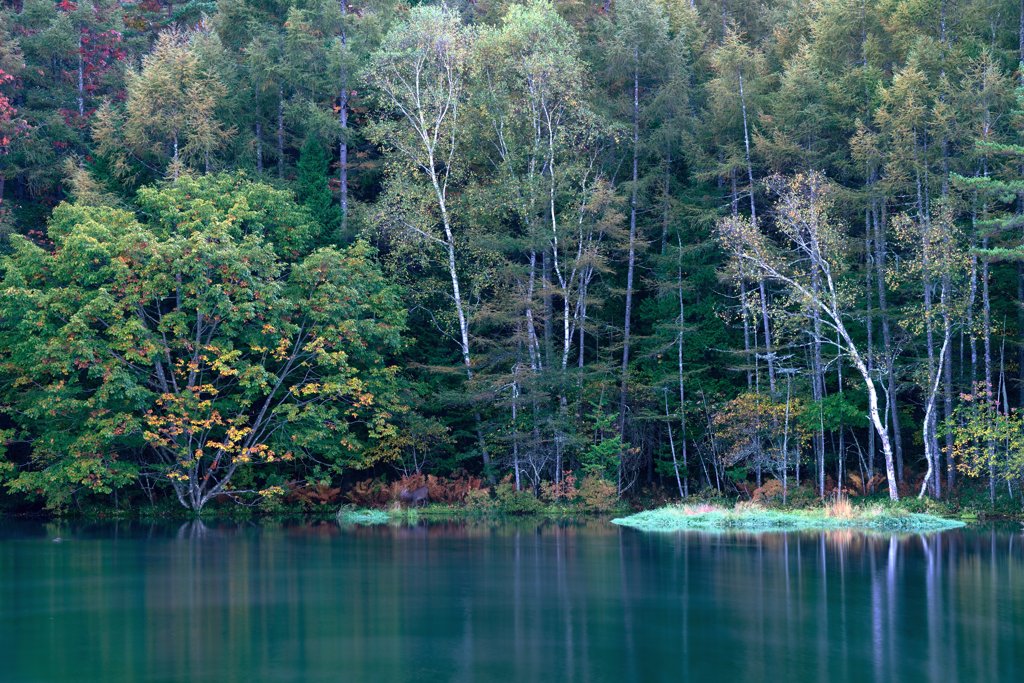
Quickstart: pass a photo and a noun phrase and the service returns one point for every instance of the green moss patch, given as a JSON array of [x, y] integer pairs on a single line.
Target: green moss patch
[[364, 517], [684, 517]]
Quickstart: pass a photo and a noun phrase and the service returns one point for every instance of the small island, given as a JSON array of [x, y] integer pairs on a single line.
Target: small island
[[754, 518]]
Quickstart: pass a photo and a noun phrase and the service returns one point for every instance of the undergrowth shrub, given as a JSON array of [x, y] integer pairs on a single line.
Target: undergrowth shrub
[[452, 490], [802, 497], [440, 489], [597, 493], [697, 509], [512, 502], [563, 491], [312, 494], [369, 493], [710, 496], [747, 506], [768, 493], [839, 506], [377, 493], [479, 500]]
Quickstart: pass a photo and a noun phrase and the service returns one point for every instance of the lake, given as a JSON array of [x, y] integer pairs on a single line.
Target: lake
[[508, 601]]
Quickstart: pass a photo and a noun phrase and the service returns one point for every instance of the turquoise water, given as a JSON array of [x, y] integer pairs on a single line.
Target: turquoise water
[[505, 602]]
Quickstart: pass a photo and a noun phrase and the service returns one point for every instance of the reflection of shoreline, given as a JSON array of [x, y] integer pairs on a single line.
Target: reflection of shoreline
[[486, 527], [837, 535], [579, 601], [217, 529]]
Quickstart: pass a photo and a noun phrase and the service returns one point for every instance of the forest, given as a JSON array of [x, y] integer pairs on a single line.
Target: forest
[[263, 252]]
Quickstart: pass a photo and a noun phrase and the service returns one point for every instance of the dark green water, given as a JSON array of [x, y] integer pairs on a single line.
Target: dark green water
[[505, 602]]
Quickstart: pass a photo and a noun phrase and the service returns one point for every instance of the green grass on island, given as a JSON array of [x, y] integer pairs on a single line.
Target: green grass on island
[[745, 517], [364, 517]]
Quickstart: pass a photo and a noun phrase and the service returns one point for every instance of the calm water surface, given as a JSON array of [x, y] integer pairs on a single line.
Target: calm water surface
[[505, 602]]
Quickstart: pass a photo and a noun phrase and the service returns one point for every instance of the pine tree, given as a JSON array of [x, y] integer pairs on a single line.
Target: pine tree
[[169, 122], [311, 183]]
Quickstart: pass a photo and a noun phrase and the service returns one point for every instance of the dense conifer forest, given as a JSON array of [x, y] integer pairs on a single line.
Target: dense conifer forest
[[295, 251]]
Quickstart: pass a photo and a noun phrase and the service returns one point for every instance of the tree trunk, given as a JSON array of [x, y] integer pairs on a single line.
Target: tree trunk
[[631, 262], [549, 312], [841, 454], [785, 441], [880, 260], [672, 446], [682, 383], [175, 158], [748, 353], [986, 331], [464, 336], [947, 388], [666, 197], [870, 324], [343, 125], [744, 304], [515, 425], [818, 387], [81, 78], [931, 442], [532, 342], [1020, 318], [259, 148], [280, 131], [460, 311], [769, 355], [1020, 39], [876, 420]]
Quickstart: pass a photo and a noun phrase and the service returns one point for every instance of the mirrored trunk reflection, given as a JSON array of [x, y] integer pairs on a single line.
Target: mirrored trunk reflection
[[518, 600]]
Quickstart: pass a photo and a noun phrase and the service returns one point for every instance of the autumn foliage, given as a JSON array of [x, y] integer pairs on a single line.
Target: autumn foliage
[[187, 350], [379, 493]]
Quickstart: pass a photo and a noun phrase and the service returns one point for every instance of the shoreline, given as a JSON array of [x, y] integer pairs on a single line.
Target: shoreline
[[718, 514]]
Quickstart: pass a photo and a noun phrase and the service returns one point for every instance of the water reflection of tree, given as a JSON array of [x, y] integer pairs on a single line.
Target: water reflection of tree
[[566, 601]]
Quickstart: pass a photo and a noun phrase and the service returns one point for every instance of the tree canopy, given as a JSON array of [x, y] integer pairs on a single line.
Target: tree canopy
[[253, 247]]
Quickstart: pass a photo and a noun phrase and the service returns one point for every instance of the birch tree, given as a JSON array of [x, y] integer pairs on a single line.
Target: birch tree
[[420, 74], [545, 143], [811, 250], [936, 263]]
